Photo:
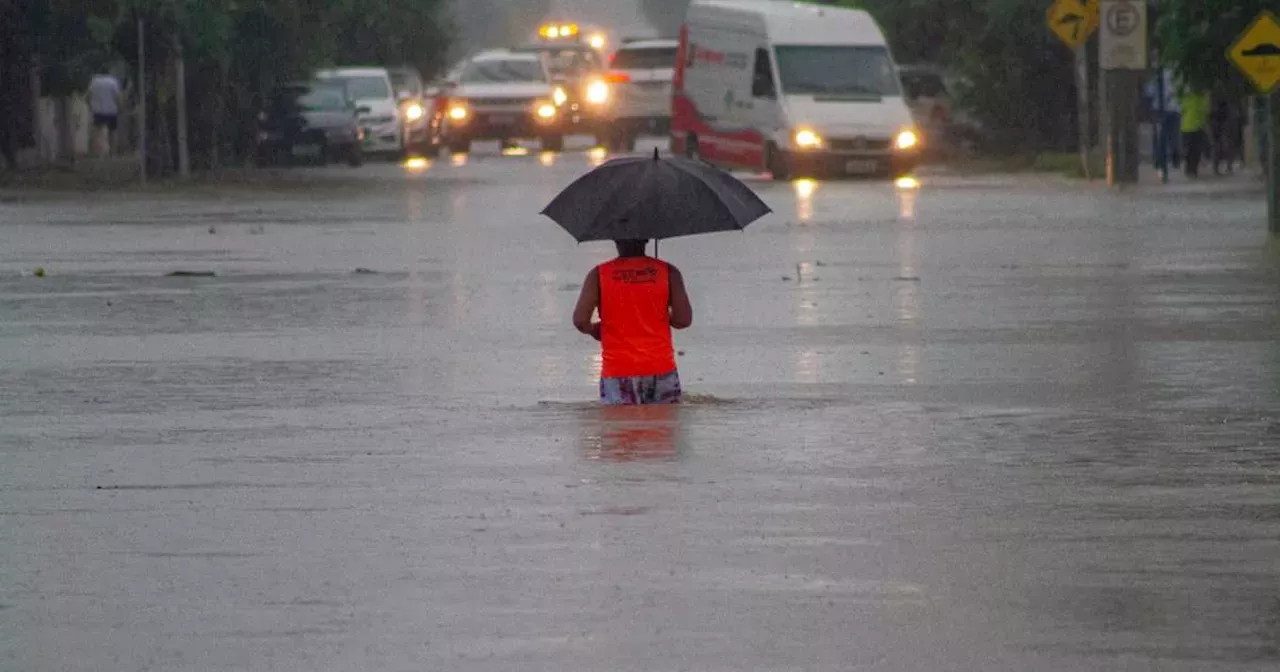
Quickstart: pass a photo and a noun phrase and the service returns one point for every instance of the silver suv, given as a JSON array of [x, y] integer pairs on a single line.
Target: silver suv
[[641, 72]]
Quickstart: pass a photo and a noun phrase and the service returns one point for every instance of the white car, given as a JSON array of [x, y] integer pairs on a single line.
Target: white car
[[641, 72], [503, 95], [377, 110]]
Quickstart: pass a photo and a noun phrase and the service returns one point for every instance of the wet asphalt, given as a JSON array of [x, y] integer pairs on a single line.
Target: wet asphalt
[[978, 423]]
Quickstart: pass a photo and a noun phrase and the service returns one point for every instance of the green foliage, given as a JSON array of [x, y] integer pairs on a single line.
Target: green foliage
[[234, 50], [1194, 36]]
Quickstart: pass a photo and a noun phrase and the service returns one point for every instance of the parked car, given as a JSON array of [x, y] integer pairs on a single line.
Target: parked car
[[928, 97], [640, 74], [422, 128], [503, 95], [309, 121], [931, 93], [379, 111], [583, 94]]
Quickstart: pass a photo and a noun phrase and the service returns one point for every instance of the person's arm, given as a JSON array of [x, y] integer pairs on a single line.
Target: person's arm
[[681, 309], [588, 301]]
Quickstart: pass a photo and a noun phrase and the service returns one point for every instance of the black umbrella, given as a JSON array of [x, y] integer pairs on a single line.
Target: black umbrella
[[641, 198]]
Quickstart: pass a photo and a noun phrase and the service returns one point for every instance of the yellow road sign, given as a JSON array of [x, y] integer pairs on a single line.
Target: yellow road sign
[[1073, 21], [1257, 52]]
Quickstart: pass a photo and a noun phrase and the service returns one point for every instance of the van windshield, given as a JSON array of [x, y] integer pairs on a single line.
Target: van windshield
[[836, 71]]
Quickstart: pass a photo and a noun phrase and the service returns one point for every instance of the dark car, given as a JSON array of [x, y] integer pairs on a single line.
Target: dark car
[[581, 73], [311, 122]]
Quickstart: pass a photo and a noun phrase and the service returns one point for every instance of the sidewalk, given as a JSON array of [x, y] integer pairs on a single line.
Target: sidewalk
[[1242, 182]]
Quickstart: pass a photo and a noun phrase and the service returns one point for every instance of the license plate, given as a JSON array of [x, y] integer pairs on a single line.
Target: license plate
[[502, 119], [861, 166], [306, 151]]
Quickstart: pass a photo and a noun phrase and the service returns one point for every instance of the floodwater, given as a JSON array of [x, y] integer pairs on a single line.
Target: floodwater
[[965, 424]]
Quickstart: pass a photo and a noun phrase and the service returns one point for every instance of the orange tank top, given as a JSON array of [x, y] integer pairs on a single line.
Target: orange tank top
[[635, 331]]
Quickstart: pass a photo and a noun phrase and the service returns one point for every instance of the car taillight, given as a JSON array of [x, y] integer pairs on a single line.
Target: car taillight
[[617, 77]]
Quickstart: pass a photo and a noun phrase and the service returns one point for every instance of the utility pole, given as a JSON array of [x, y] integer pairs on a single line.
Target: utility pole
[[184, 157], [142, 101]]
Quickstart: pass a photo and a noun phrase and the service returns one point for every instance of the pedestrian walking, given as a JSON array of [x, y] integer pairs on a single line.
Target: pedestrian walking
[[640, 299], [1195, 121], [1168, 122], [104, 104], [1226, 126]]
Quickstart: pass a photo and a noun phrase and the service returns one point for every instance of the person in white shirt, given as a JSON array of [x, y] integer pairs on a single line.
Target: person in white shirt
[[104, 104]]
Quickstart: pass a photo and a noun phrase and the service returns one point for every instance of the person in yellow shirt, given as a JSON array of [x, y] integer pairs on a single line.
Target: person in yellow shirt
[[1195, 119]]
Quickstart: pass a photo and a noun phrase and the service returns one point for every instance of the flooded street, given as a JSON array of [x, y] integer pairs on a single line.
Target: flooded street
[[974, 423]]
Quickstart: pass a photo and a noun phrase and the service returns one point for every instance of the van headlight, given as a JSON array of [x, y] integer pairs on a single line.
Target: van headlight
[[597, 93], [808, 139], [906, 139], [559, 96]]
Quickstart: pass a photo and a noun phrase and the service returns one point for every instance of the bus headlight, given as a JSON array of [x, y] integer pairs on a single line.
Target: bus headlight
[[559, 96], [597, 93], [906, 139], [414, 112], [808, 139]]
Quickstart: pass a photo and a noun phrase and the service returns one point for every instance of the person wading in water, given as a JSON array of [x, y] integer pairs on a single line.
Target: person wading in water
[[640, 299]]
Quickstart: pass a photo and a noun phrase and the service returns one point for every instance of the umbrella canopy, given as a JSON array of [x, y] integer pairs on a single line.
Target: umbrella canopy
[[642, 198]]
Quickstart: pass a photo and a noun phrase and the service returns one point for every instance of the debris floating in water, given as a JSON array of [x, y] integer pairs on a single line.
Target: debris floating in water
[[192, 274], [38, 272]]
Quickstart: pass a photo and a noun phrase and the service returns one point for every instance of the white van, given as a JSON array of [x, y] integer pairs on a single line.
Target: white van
[[790, 88]]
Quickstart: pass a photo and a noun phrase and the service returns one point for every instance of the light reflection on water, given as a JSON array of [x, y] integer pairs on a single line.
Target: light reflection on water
[[805, 190], [632, 433]]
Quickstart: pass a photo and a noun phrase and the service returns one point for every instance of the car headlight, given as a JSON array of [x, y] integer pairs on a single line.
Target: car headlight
[[414, 112], [807, 139], [559, 96], [597, 93], [459, 112], [907, 139], [546, 111]]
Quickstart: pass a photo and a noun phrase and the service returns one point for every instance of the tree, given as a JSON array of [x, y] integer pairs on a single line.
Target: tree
[[1193, 37]]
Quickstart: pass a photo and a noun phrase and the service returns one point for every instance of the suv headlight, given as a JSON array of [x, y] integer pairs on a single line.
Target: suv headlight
[[906, 139], [808, 139], [459, 112], [546, 111], [414, 112], [598, 92]]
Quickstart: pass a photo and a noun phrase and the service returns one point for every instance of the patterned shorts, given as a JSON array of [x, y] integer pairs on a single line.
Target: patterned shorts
[[664, 389]]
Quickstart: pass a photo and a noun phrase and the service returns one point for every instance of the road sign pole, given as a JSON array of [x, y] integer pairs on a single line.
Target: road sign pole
[[1122, 56], [1082, 110], [1273, 163]]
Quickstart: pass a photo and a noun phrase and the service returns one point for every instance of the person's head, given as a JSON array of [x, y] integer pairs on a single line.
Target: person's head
[[631, 248]]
